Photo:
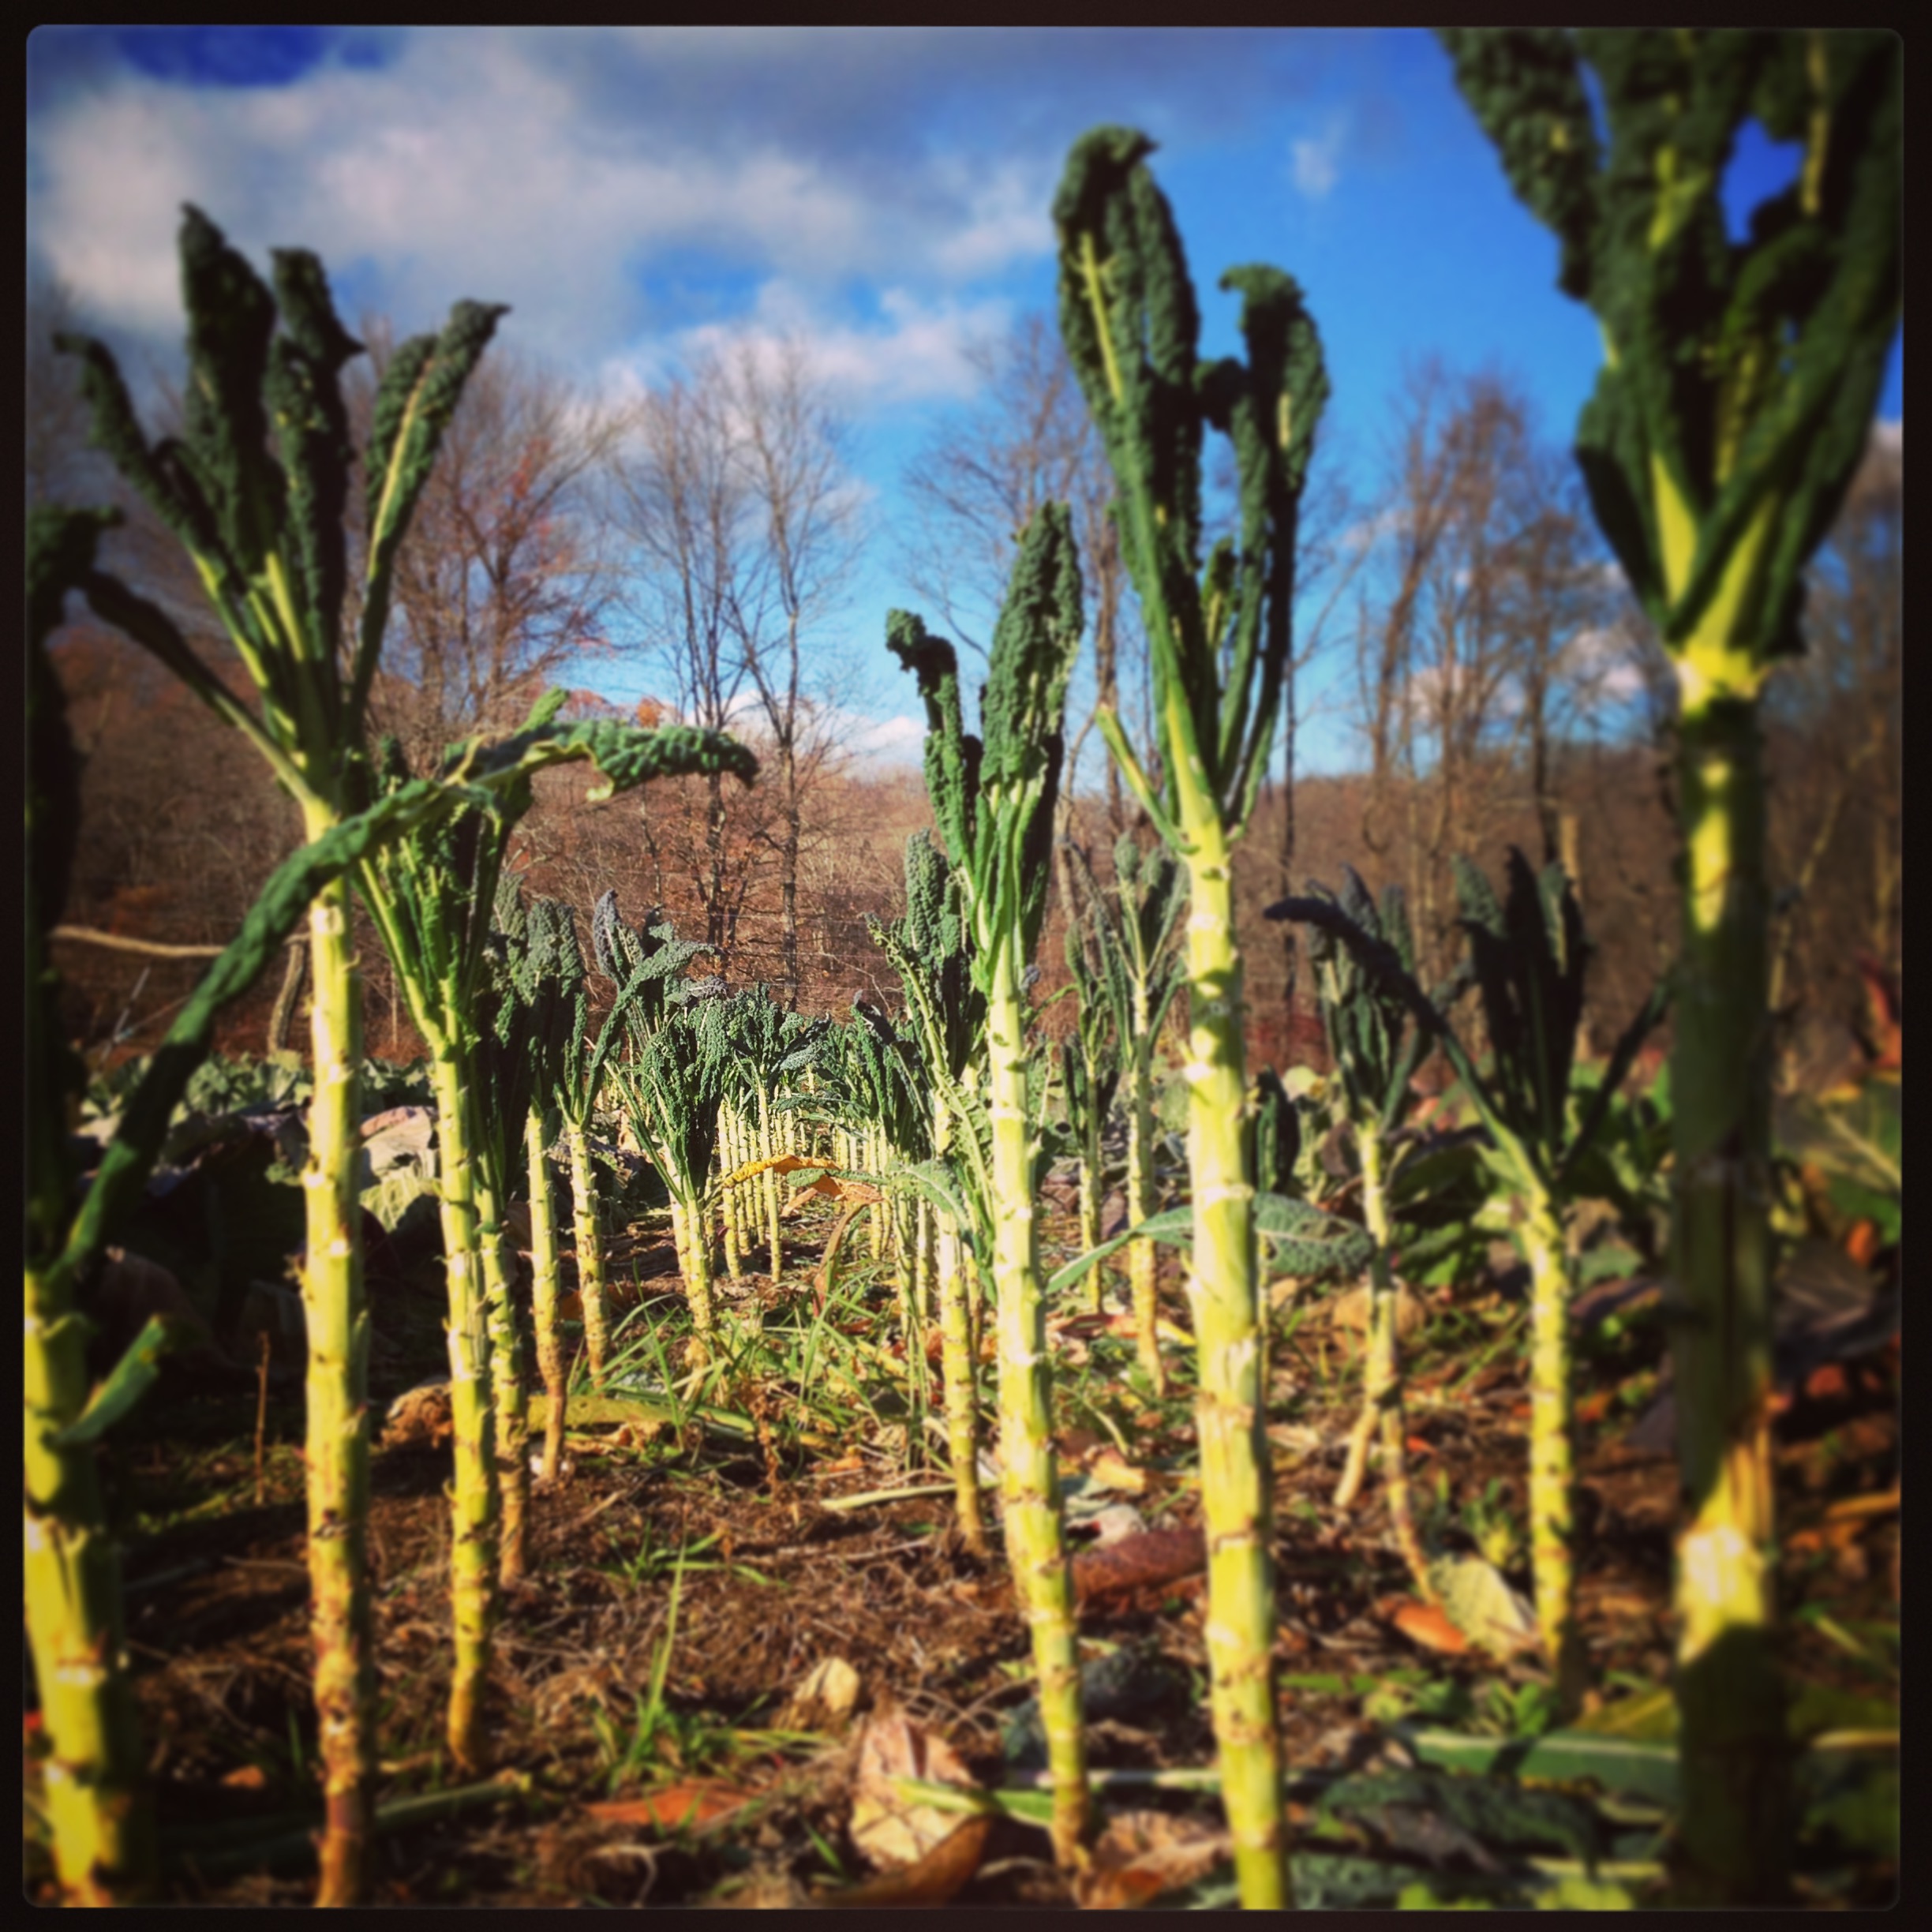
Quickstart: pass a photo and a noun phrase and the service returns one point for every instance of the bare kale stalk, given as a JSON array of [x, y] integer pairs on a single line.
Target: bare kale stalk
[[1140, 969], [1376, 1046], [433, 897], [102, 1824], [931, 948], [1732, 408], [993, 801], [1219, 638], [1528, 957], [262, 517]]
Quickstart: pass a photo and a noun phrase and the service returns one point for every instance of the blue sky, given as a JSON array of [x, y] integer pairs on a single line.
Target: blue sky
[[884, 192]]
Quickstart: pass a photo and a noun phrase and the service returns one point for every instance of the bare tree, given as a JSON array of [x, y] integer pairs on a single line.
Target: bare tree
[[505, 579], [1027, 440], [1834, 716], [59, 464], [1468, 666], [791, 456], [687, 505]]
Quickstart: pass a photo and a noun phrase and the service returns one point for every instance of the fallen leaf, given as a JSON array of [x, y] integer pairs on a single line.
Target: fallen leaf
[[1884, 1505], [781, 1163], [1423, 1623], [1479, 1603], [695, 1806], [825, 1699], [1838, 1536], [516, 1226], [1160, 1556], [1142, 1855], [1109, 1470], [889, 1828], [1088, 1324], [933, 1879], [246, 1777], [1826, 1384], [419, 1418], [833, 1189], [1351, 1311]]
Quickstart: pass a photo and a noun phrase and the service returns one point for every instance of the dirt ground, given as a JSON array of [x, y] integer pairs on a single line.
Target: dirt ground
[[777, 1579]]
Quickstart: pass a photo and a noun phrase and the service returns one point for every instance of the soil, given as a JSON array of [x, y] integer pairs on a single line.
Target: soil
[[777, 1579]]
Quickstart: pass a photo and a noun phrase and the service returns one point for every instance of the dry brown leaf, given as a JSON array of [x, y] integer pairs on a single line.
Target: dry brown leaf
[[516, 1226], [696, 1805], [888, 1828], [1423, 1623], [419, 1418], [131, 1290], [833, 1189], [780, 1163], [825, 1699], [1158, 1557], [1350, 1311], [1109, 1470], [1884, 1505], [934, 1879], [1141, 1854]]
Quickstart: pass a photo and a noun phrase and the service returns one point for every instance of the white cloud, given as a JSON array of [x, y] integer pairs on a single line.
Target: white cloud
[[1603, 663], [1007, 217], [503, 165], [902, 737], [917, 352], [1314, 161]]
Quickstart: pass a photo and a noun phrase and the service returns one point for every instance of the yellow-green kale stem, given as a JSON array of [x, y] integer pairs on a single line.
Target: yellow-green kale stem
[[1223, 1288], [1035, 1537], [96, 1774], [1552, 1451], [1731, 1701], [1142, 1259], [474, 1497], [1382, 1380], [590, 1291], [544, 1313], [336, 1445], [510, 1399], [956, 1365]]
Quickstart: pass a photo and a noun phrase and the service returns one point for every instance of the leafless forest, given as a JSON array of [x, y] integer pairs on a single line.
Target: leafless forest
[[1461, 621]]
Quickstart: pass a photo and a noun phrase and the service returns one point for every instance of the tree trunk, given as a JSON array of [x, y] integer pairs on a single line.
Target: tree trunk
[[788, 874], [714, 855]]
